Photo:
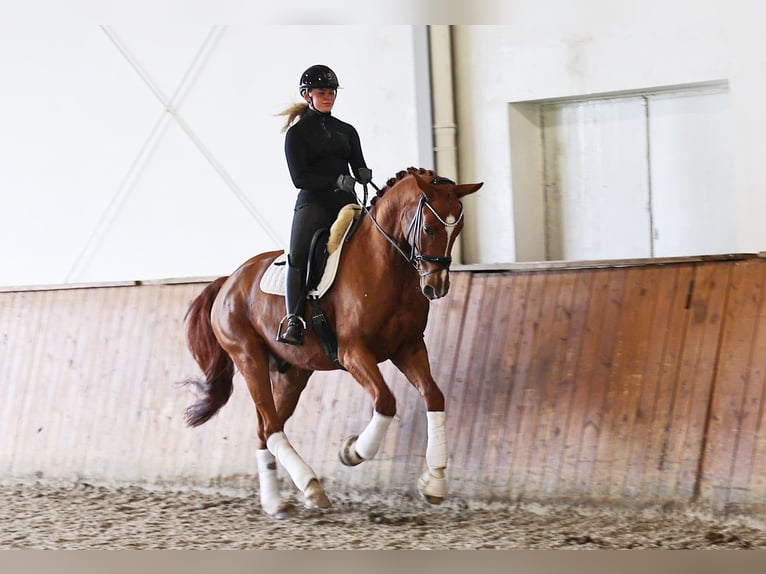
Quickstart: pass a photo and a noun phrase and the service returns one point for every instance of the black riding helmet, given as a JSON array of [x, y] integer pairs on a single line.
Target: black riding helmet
[[318, 76]]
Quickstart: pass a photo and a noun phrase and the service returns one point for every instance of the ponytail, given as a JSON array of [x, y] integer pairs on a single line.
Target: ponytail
[[293, 113]]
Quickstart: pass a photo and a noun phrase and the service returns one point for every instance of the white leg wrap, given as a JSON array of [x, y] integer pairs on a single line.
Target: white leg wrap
[[371, 438], [299, 471], [433, 482], [268, 481], [436, 449]]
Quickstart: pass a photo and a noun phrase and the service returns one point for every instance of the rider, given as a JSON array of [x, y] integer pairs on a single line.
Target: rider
[[319, 149]]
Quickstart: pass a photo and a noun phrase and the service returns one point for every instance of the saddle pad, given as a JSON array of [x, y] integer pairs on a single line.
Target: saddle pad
[[273, 280]]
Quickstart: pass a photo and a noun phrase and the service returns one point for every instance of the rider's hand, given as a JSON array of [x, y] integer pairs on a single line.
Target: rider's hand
[[364, 174], [345, 183]]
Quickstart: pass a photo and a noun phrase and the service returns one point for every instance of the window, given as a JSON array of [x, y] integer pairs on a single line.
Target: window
[[629, 176]]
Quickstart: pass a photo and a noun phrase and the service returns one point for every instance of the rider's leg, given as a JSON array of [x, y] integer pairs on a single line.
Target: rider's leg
[[295, 303], [307, 218]]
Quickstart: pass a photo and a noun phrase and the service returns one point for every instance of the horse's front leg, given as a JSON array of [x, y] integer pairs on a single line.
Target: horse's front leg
[[412, 361], [361, 364]]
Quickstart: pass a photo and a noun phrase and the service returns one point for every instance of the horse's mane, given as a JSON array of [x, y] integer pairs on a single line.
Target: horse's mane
[[398, 177]]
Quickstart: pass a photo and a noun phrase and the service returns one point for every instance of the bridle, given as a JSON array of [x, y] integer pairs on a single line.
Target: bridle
[[416, 256]]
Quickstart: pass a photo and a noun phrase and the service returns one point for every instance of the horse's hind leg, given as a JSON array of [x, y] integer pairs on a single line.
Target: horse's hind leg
[[287, 388], [412, 361], [268, 484], [253, 362]]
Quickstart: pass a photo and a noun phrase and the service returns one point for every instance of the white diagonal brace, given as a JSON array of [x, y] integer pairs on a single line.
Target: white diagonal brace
[[171, 107], [146, 150]]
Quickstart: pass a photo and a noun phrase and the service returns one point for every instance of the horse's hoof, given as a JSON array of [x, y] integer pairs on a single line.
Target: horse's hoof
[[347, 454], [315, 497], [432, 499], [284, 510], [432, 486]]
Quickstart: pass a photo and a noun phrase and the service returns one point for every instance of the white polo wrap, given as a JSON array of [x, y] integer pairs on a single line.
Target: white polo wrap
[[436, 449], [371, 438], [299, 471], [268, 481]]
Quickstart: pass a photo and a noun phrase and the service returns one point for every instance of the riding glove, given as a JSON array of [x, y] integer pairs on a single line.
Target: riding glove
[[345, 183], [365, 175]]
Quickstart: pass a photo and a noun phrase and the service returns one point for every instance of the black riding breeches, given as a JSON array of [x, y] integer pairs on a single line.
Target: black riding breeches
[[313, 211]]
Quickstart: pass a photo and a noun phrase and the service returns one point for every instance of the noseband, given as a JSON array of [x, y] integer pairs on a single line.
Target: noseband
[[416, 255]]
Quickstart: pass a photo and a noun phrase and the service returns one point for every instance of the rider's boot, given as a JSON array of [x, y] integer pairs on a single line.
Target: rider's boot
[[292, 328]]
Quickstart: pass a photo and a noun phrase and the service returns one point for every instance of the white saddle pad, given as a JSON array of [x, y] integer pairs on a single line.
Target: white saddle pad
[[273, 280]]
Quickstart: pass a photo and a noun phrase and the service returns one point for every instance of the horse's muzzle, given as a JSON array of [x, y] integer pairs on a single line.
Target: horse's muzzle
[[430, 292], [434, 282], [435, 289]]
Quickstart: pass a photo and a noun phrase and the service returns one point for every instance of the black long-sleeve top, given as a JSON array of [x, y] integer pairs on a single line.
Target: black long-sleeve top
[[319, 147]]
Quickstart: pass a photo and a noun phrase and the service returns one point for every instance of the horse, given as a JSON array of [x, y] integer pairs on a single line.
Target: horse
[[394, 264]]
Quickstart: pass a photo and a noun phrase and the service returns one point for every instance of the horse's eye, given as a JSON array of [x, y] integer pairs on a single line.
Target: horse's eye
[[428, 230]]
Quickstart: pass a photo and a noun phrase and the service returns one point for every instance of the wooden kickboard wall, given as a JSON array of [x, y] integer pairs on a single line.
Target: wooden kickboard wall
[[634, 383]]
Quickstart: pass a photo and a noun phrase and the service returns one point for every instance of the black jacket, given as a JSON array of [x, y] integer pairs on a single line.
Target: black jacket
[[319, 147]]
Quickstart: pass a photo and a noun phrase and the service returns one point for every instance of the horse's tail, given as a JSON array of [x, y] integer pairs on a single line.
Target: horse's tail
[[215, 389]]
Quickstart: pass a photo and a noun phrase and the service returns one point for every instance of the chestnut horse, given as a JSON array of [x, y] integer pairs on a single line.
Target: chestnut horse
[[396, 262]]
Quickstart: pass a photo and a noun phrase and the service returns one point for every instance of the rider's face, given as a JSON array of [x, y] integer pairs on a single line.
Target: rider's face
[[322, 99]]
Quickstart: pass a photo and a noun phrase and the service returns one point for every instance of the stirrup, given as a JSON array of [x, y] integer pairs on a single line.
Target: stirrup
[[282, 336]]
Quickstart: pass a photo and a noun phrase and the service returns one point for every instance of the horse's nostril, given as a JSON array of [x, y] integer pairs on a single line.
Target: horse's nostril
[[430, 292]]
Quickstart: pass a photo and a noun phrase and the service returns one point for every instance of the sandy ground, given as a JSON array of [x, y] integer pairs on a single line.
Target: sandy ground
[[84, 516]]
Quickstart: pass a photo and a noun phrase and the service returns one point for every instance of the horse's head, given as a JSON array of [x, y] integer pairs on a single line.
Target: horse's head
[[433, 222]]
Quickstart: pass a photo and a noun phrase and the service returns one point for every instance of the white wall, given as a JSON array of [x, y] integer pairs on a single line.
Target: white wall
[[580, 48], [90, 157], [99, 182]]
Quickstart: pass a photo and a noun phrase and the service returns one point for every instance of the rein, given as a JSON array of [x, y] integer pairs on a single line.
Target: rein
[[416, 255]]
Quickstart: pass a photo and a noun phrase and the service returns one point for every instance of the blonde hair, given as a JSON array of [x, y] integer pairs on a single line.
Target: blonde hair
[[293, 113]]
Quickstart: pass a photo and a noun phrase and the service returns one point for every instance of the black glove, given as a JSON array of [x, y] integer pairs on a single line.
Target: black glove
[[345, 183], [365, 175]]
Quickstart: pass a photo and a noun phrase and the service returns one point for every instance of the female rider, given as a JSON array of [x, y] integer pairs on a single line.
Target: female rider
[[319, 149]]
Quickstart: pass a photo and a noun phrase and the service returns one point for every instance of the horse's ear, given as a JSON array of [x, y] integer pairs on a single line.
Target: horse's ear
[[467, 188], [460, 190], [422, 183]]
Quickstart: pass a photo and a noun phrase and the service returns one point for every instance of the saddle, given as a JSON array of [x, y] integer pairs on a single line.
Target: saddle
[[324, 256]]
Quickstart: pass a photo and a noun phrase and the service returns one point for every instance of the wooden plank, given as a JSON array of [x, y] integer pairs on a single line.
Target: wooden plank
[[552, 350], [467, 378], [688, 426], [512, 309], [496, 389], [659, 383], [756, 483], [727, 408], [31, 416], [571, 317], [632, 336], [590, 303], [609, 295], [489, 349], [683, 442], [741, 488], [525, 400]]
